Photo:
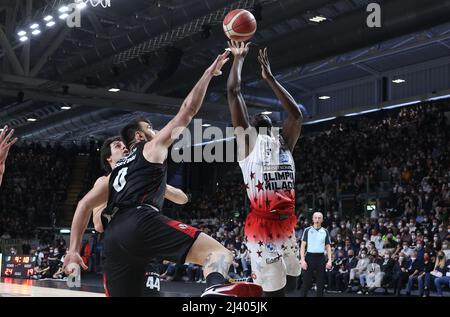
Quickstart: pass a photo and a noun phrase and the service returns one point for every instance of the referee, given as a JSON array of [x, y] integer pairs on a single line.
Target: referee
[[314, 240]]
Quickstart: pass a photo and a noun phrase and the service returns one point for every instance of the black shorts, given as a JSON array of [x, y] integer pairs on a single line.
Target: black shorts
[[135, 237]]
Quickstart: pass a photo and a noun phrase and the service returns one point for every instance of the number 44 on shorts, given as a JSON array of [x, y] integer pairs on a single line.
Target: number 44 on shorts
[[153, 282]]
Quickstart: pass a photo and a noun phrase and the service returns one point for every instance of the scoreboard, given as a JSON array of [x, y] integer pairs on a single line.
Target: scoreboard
[[18, 266]]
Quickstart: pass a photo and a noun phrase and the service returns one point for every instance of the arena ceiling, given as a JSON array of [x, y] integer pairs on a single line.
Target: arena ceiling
[[154, 51]]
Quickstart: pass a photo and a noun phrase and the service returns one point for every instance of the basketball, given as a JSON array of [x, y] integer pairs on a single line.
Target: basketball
[[239, 25]]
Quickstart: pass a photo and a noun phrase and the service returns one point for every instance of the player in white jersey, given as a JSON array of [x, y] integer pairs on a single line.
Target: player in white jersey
[[268, 169]]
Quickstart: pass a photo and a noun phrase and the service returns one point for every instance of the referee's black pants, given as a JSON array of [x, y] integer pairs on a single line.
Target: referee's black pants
[[316, 267]]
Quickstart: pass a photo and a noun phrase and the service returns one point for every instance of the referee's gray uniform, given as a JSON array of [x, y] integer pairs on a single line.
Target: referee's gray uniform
[[316, 240]]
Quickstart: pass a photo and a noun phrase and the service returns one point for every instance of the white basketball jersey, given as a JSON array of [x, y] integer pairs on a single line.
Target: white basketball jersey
[[269, 176]]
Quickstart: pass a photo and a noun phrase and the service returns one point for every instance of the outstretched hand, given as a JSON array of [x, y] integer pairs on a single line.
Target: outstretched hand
[[238, 49], [5, 143], [263, 59], [216, 67]]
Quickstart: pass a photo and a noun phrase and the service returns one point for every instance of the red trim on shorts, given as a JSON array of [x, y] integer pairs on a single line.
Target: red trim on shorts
[[104, 285], [280, 216], [182, 227]]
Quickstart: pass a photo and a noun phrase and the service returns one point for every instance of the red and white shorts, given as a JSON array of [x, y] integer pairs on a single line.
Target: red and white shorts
[[274, 252]]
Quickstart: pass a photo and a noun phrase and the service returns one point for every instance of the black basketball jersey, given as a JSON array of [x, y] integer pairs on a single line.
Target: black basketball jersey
[[136, 181]]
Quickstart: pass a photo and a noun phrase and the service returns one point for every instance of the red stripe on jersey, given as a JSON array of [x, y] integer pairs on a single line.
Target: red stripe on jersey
[[189, 230], [104, 285], [259, 228]]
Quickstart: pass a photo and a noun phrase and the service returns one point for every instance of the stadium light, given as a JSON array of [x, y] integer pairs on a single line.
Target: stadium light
[[318, 19], [399, 81]]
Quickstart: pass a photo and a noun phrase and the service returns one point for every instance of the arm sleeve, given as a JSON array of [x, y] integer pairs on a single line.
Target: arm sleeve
[[305, 235], [327, 238]]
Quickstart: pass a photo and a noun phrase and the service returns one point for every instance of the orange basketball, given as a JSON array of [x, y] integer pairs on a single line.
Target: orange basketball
[[239, 25]]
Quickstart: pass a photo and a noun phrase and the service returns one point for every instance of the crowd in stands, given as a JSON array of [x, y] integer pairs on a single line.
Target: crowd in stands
[[405, 242], [33, 186]]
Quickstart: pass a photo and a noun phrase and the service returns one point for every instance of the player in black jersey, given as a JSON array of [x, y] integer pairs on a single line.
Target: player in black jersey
[[113, 149], [136, 230]]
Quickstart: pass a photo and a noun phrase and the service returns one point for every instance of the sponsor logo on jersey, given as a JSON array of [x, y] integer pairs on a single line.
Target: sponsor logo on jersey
[[182, 226], [284, 157], [270, 247], [126, 160], [273, 260]]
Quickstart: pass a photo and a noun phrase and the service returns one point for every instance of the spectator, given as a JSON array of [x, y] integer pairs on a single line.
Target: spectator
[[348, 246], [193, 273], [334, 231], [446, 249], [34, 186], [372, 276], [235, 268], [442, 273], [379, 244], [85, 252], [424, 278], [42, 271], [244, 257], [390, 242], [168, 271], [338, 242], [400, 275], [331, 275], [387, 267], [406, 237], [414, 268], [343, 276], [360, 268], [406, 249]]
